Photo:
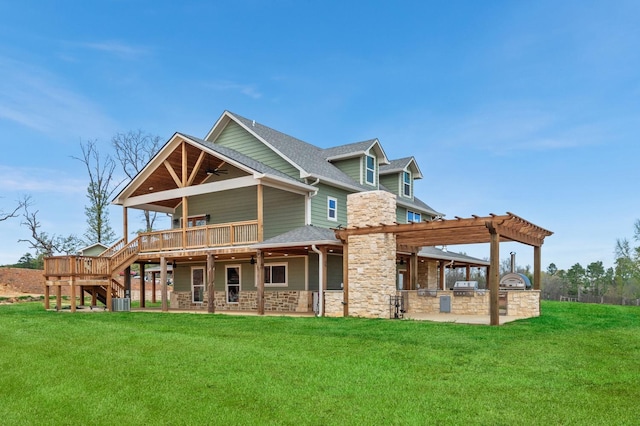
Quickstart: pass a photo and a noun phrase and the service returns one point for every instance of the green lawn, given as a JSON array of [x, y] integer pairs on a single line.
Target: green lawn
[[576, 364]]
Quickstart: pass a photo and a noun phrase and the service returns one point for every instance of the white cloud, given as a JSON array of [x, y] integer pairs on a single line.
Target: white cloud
[[38, 180], [34, 98]]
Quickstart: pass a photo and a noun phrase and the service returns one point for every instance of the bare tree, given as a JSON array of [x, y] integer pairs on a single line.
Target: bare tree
[[134, 149], [99, 192], [7, 215], [43, 243]]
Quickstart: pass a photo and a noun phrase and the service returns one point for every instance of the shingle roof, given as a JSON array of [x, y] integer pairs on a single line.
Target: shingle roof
[[309, 158], [303, 235], [313, 160], [355, 148], [241, 158]]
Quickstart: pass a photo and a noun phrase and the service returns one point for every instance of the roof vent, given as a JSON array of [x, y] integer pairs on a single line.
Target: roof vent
[[253, 123]]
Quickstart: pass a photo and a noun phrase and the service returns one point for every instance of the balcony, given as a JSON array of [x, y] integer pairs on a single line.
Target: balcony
[[219, 235]]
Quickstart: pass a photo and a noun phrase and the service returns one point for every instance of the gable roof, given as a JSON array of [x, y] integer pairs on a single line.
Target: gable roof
[[400, 165], [309, 159], [356, 149]]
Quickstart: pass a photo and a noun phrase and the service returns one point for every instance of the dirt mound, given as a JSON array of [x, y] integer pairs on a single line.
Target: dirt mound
[[20, 282]]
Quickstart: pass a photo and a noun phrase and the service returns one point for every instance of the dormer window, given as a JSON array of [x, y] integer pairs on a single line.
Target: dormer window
[[370, 174], [406, 184]]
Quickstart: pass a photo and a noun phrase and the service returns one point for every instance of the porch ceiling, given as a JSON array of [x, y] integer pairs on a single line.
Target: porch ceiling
[[472, 230], [162, 179]]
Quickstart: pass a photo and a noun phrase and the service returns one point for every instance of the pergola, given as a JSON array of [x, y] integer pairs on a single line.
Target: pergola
[[474, 230]]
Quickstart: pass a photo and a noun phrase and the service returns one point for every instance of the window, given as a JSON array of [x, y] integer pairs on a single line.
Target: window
[[197, 285], [332, 208], [406, 184], [191, 221], [371, 170], [413, 217], [275, 274], [233, 284]]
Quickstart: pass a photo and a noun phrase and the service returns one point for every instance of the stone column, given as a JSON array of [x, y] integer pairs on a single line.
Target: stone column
[[372, 257]]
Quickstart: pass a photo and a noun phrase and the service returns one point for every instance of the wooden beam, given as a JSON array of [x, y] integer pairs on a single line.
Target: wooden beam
[[143, 296], [443, 283], [58, 298], [260, 202], [125, 225], [494, 307], [46, 296], [413, 271], [173, 173], [196, 169], [185, 218], [536, 267], [260, 278], [211, 287], [184, 165], [73, 283]]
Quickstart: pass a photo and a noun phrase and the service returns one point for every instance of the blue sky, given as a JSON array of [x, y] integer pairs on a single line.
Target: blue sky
[[519, 106]]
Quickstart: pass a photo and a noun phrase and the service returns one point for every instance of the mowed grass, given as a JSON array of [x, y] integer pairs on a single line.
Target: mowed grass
[[576, 364]]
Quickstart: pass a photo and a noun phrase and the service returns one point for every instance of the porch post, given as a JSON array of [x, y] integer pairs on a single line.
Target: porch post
[[260, 216], [494, 308], [185, 216], [536, 267], [211, 288], [260, 277], [73, 283], [442, 268], [153, 287], [127, 282], [46, 296], [413, 271], [536, 272], [143, 296], [468, 272], [58, 297], [125, 225], [163, 279]]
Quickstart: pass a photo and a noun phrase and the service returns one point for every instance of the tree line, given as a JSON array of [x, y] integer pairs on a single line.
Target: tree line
[[132, 151]]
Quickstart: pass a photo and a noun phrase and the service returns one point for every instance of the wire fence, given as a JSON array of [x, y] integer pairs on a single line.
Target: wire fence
[[586, 298]]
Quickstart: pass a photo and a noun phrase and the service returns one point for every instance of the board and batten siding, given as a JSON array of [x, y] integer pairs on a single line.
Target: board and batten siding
[[401, 214], [319, 206], [283, 211], [334, 272], [237, 138]]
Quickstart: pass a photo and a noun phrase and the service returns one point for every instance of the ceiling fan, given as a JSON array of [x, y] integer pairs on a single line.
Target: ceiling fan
[[216, 170]]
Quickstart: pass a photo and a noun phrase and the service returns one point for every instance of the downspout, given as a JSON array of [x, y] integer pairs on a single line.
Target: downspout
[[320, 279], [308, 202]]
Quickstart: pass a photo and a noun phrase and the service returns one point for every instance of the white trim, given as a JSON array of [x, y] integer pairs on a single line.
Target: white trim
[[226, 283], [329, 199], [205, 188], [286, 274], [366, 169], [403, 183], [204, 281]]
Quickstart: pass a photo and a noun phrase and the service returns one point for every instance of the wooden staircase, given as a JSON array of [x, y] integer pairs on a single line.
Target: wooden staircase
[[97, 275]]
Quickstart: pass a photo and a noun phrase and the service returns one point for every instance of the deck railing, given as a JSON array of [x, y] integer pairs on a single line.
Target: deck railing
[[218, 235], [224, 234], [67, 266]]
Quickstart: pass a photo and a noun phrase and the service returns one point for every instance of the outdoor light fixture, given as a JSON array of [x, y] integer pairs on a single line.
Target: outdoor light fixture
[[252, 261]]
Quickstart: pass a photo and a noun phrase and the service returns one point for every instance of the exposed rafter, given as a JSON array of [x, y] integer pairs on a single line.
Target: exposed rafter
[[457, 231]]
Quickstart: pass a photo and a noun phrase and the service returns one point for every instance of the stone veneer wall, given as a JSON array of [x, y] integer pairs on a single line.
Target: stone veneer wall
[[333, 306], [428, 273], [519, 303], [523, 303], [372, 257], [274, 301]]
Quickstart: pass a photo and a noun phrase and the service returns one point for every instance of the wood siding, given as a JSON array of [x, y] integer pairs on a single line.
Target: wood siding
[[319, 206], [351, 167], [235, 137], [283, 211], [391, 182]]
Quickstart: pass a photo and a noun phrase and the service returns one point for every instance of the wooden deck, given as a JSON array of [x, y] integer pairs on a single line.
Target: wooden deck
[[98, 274]]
